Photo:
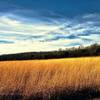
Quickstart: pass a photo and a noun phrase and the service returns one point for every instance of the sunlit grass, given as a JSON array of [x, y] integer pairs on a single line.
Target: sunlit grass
[[49, 76]]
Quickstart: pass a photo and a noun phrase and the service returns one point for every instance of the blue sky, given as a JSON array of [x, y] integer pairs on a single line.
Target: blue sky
[[45, 25]]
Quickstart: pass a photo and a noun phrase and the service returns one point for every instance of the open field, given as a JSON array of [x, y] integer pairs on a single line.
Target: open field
[[55, 79]]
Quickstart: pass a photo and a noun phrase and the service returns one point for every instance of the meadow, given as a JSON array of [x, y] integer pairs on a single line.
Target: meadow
[[54, 79]]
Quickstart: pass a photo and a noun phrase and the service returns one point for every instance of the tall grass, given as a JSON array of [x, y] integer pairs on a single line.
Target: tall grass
[[48, 77]]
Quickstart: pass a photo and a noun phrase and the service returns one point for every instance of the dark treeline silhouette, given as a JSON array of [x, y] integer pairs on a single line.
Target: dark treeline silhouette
[[81, 51]]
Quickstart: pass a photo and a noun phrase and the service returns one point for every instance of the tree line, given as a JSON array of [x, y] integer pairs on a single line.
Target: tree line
[[81, 51]]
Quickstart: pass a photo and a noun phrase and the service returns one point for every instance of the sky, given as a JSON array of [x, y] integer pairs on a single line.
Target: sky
[[46, 25]]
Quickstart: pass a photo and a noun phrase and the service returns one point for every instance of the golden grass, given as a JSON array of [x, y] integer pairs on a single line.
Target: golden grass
[[43, 76]]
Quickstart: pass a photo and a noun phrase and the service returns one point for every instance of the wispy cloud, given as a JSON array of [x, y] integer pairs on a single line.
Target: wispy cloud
[[6, 41], [17, 35]]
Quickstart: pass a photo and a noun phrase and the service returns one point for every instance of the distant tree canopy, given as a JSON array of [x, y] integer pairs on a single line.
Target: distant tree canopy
[[81, 51]]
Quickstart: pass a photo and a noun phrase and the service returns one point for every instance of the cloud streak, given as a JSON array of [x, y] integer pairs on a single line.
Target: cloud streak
[[17, 35]]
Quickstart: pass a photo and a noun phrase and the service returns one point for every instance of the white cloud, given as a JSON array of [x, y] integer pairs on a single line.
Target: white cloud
[[30, 36]]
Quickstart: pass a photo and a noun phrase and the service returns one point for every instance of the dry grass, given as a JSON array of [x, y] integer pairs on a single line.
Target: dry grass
[[49, 76]]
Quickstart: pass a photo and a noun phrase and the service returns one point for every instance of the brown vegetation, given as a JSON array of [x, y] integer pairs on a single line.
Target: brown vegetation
[[46, 78]]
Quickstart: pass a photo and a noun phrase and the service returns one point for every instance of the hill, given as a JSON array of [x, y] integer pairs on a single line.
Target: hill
[[93, 50]]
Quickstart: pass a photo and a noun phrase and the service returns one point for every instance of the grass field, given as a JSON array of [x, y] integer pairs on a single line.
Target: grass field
[[55, 79]]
